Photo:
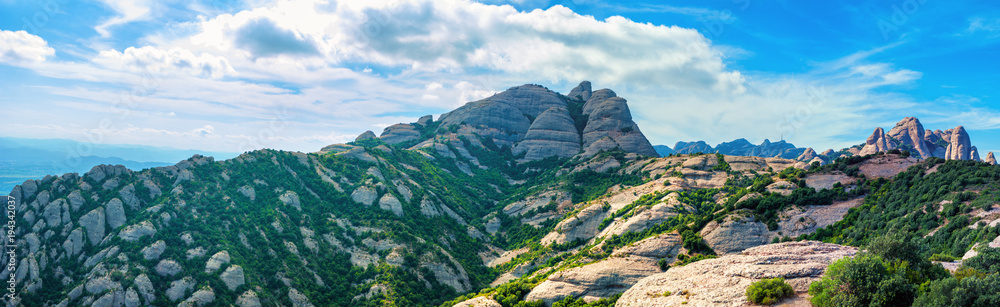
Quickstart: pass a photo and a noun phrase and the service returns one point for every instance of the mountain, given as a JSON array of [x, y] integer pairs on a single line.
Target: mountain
[[663, 150], [909, 134], [528, 197], [24, 159], [742, 147]]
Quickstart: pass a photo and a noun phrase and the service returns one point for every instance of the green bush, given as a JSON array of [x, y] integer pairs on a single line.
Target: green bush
[[769, 291], [864, 280], [970, 291]]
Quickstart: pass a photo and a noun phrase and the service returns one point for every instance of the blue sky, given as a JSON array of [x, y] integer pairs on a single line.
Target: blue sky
[[233, 76]]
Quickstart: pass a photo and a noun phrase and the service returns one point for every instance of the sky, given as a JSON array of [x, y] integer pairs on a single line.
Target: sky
[[227, 75]]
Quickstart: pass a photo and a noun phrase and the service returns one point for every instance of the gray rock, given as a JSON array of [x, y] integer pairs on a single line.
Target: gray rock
[[399, 133], [168, 267], [28, 189], [959, 148], [107, 300], [428, 208], [128, 197], [154, 190], [111, 183], [131, 298], [94, 221], [195, 253], [53, 212], [553, 133], [367, 135], [612, 118], [735, 234], [389, 202], [501, 121], [248, 299], [217, 261], [145, 288], [76, 200], [910, 133], [74, 242], [186, 237], [359, 153], [233, 277], [100, 284], [132, 233], [581, 92], [115, 213], [290, 198], [424, 120], [153, 251], [200, 298], [248, 192], [180, 287], [41, 200], [364, 195], [100, 256], [298, 299]]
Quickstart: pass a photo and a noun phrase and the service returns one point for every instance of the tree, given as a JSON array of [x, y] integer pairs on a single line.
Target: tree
[[864, 280]]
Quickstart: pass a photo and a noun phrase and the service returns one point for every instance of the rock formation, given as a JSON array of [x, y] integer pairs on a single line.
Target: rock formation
[[959, 147], [909, 135], [723, 281], [367, 135], [990, 159], [581, 92], [399, 133], [552, 134], [612, 119]]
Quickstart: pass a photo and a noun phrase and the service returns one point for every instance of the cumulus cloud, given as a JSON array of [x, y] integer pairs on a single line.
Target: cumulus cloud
[[555, 44], [157, 61], [19, 48]]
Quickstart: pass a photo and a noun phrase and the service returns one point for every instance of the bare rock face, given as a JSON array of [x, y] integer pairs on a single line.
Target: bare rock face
[[960, 147], [723, 281], [168, 268], [424, 120], [364, 195], [233, 277], [399, 133], [298, 299], [581, 92], [145, 287], [552, 134], [115, 213], [735, 234], [93, 221], [597, 98], [217, 261], [200, 298], [132, 233], [179, 287], [504, 123], [153, 251], [876, 143], [975, 154], [611, 276], [479, 301], [367, 135], [990, 159], [612, 118], [248, 299], [808, 155], [389, 202], [910, 134]]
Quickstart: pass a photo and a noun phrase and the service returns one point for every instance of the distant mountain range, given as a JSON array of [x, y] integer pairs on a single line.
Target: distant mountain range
[[22, 158], [908, 135]]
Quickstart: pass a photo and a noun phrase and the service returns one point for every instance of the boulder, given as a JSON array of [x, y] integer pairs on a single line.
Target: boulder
[[153, 251], [364, 195], [217, 261], [93, 222], [298, 299], [200, 298], [400, 133], [131, 298], [723, 281], [74, 242], [75, 200], [168, 267], [248, 299], [132, 233], [389, 202], [114, 213], [735, 234], [180, 287], [553, 133], [233, 277], [145, 287]]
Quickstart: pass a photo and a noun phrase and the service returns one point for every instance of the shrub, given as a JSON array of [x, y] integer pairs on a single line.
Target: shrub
[[769, 291], [664, 264]]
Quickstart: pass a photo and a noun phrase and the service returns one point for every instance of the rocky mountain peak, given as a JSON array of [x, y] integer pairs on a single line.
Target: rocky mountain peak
[[959, 147], [581, 92], [367, 135], [990, 159], [909, 134]]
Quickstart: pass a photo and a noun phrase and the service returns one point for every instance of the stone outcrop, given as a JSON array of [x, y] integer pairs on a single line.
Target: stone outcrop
[[990, 159], [115, 213], [399, 133], [909, 134], [233, 277], [217, 261], [248, 299], [612, 119], [581, 92], [723, 281], [391, 203], [168, 267], [735, 234], [553, 133], [611, 276], [132, 233], [93, 222], [367, 135], [153, 251], [364, 195], [959, 146], [179, 287]]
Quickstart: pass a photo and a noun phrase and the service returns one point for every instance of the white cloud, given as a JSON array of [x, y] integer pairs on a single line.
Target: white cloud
[[18, 48], [175, 60], [127, 10], [459, 36]]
